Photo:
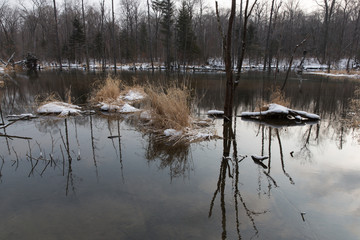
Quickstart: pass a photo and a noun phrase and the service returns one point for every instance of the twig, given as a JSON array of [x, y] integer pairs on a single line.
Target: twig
[[7, 125], [11, 136], [37, 159]]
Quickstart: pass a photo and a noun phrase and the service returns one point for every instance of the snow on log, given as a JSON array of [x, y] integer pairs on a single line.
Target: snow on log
[[215, 113], [278, 111], [259, 160]]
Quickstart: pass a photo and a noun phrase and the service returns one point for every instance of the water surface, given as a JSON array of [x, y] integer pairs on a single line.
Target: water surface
[[70, 181]]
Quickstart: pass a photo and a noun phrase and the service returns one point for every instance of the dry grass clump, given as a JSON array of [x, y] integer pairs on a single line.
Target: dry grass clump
[[351, 72], [52, 97], [169, 108], [108, 92], [278, 97]]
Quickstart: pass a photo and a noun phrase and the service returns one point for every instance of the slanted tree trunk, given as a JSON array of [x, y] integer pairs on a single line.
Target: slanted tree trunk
[[291, 61]]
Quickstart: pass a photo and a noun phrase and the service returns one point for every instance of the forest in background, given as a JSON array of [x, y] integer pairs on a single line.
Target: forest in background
[[177, 32]]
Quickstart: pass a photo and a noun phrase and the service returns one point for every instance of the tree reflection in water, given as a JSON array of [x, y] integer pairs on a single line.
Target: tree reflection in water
[[175, 157], [229, 167]]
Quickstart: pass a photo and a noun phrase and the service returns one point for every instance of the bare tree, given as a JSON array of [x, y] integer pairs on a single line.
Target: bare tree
[[85, 35], [268, 38], [113, 34], [57, 36], [247, 14]]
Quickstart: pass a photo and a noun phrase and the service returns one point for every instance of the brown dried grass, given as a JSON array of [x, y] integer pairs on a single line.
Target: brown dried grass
[[107, 92], [277, 96], [350, 72], [52, 97], [169, 108]]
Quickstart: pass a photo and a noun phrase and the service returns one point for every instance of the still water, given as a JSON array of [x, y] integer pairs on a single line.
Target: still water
[[133, 187]]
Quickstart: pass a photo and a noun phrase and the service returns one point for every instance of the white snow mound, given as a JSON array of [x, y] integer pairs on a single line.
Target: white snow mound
[[59, 108]]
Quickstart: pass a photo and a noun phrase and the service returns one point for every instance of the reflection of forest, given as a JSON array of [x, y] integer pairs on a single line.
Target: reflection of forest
[[324, 96]]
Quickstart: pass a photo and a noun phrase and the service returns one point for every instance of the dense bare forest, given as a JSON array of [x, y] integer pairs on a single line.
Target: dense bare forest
[[177, 32]]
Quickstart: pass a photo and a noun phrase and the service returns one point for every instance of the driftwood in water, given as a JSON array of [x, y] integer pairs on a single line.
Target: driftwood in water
[[275, 111], [29, 62]]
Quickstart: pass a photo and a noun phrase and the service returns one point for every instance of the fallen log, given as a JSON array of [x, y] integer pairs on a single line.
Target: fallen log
[[275, 111]]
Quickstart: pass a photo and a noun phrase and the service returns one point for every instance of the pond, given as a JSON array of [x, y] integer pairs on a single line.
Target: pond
[[71, 181]]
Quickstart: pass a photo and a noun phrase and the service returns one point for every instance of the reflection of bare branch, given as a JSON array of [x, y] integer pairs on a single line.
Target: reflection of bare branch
[[176, 157], [120, 154], [2, 165], [305, 152], [282, 158], [93, 148]]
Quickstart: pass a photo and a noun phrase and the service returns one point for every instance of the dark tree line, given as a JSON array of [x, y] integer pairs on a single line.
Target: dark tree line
[[178, 32]]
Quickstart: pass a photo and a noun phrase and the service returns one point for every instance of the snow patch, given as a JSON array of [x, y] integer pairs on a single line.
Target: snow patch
[[61, 108], [133, 95], [172, 132], [355, 76], [126, 108], [215, 112]]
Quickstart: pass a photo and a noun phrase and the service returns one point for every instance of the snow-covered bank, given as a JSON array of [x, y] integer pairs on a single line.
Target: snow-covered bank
[[339, 75], [212, 65]]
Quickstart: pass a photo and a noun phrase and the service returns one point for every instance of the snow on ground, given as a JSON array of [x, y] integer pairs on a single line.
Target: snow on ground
[[61, 108], [355, 76], [133, 95], [172, 133], [125, 108], [118, 105]]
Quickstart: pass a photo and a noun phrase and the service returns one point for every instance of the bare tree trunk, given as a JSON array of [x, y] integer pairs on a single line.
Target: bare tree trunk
[[240, 35], [86, 40], [57, 36], [229, 92], [113, 34], [247, 15], [354, 40], [102, 6], [327, 18], [268, 38], [150, 37]]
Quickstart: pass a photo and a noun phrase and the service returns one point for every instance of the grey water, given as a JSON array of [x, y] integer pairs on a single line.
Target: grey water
[[71, 181]]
